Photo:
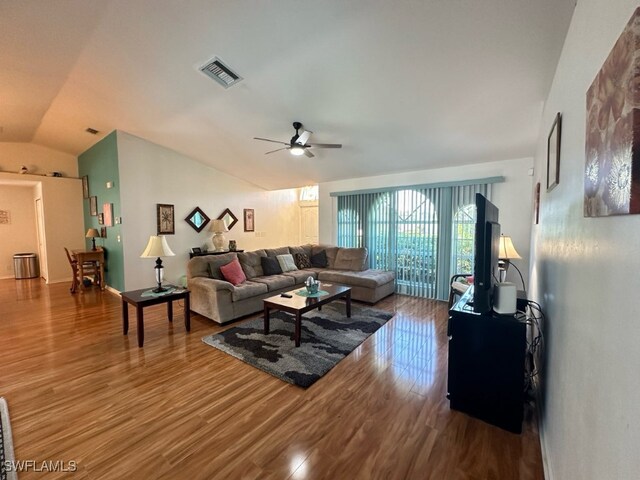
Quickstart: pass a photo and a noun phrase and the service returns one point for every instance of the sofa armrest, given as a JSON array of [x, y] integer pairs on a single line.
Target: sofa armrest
[[210, 284], [210, 297]]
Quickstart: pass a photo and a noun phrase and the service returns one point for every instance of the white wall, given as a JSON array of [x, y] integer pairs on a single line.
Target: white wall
[[512, 198], [584, 275], [151, 174], [38, 159], [20, 234]]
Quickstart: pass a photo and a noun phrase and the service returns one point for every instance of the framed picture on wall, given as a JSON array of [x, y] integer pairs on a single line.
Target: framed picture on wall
[[103, 232], [93, 206], [101, 219], [85, 186], [553, 153], [165, 219], [107, 210], [249, 220]]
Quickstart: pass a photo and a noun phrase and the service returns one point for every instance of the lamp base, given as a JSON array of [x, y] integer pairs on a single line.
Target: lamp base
[[160, 289], [218, 242], [93, 245]]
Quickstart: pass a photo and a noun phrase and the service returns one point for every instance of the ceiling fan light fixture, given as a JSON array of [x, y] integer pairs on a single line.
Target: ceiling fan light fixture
[[297, 151]]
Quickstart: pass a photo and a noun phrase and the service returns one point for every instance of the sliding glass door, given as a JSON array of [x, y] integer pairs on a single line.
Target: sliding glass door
[[422, 234]]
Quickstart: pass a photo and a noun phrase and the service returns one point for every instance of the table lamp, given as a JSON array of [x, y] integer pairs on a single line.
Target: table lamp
[[93, 233], [506, 254], [218, 227], [158, 247]]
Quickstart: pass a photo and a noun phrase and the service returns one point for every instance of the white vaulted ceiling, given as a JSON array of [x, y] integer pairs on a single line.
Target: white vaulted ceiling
[[404, 85]]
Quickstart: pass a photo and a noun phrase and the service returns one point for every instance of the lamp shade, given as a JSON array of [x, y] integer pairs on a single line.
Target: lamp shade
[[92, 233], [157, 247], [507, 250], [218, 226]]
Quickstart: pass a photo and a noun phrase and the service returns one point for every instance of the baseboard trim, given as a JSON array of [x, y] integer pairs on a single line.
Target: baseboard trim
[[112, 290], [546, 467]]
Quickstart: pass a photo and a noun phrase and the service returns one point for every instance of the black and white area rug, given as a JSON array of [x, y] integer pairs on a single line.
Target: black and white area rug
[[6, 444], [327, 337]]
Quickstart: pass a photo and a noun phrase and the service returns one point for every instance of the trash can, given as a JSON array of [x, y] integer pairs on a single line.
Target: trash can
[[26, 265]]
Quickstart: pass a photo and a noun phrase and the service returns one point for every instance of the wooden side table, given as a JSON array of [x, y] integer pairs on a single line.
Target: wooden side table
[[144, 298]]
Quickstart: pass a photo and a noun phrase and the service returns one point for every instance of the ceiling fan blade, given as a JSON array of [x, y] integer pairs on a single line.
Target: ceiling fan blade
[[304, 136], [267, 140], [308, 153], [325, 145], [273, 151]]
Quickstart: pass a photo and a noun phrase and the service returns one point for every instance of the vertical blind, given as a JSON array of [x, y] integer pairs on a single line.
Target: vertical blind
[[424, 233]]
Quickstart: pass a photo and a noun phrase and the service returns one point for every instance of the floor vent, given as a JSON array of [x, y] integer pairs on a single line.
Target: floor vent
[[222, 74]]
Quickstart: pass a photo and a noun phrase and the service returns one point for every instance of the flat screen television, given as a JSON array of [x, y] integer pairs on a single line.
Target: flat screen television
[[487, 247]]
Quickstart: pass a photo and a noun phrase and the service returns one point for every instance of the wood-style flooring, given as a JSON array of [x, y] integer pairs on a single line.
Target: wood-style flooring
[[78, 390]]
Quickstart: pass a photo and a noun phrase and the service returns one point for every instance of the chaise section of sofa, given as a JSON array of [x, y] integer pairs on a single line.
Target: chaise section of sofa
[[221, 301]]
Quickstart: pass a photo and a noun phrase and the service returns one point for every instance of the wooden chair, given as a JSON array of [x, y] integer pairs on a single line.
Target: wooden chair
[[90, 268]]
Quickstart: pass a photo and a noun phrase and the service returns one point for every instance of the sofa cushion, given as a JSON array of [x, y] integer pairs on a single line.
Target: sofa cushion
[[274, 252], [367, 278], [247, 290], [270, 266], [329, 250], [354, 259], [300, 276], [209, 265], [302, 260], [233, 273], [276, 282], [303, 249], [319, 260], [251, 263], [287, 264]]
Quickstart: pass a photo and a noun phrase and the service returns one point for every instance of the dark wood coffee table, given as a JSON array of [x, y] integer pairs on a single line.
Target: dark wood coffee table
[[141, 299], [298, 304]]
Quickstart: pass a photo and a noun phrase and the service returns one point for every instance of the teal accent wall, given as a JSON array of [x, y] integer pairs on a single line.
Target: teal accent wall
[[100, 164]]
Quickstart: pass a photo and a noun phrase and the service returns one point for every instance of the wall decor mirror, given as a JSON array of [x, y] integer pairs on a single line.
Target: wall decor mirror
[[197, 219], [229, 218]]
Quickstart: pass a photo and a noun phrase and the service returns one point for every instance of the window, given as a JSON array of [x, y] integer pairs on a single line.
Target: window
[[423, 234], [463, 235]]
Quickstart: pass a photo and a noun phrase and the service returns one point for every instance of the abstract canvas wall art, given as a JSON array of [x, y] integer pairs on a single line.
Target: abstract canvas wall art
[[612, 164]]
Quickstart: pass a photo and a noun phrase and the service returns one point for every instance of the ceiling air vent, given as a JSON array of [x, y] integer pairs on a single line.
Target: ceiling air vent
[[222, 74]]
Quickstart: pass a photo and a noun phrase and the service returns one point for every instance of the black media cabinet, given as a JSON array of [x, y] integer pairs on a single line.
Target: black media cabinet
[[486, 376]]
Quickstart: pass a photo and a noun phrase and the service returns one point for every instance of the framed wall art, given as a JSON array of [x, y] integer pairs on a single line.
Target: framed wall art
[[103, 232], [93, 206], [101, 219], [553, 153], [107, 210], [612, 144], [249, 220], [85, 186], [229, 218], [197, 219], [165, 219]]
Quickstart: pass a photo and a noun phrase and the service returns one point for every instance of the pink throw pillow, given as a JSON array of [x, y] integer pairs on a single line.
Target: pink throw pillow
[[232, 272]]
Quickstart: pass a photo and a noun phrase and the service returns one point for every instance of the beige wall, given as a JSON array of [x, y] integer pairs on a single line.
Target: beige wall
[[62, 209], [37, 159], [20, 234], [151, 174]]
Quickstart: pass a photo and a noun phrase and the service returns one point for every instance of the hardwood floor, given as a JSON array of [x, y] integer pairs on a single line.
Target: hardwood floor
[[79, 390]]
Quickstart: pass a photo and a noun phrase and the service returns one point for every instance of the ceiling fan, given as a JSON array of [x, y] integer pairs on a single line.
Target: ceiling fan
[[298, 144]]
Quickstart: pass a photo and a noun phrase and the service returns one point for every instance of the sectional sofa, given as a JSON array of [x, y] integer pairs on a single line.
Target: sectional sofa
[[221, 301]]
